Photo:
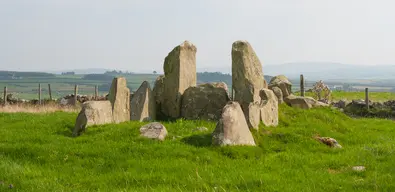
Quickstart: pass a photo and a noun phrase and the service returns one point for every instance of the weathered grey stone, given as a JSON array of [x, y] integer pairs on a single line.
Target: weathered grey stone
[[93, 113], [247, 75], [303, 102], [283, 83], [180, 74], [158, 90], [204, 101], [232, 128], [279, 94], [154, 130], [142, 106], [269, 108], [254, 115], [119, 97], [329, 141]]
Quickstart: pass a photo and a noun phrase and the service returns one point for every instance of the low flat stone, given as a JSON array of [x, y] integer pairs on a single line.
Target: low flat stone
[[154, 130]]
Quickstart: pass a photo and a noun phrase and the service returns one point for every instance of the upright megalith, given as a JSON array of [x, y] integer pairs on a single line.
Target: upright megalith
[[247, 80], [158, 97], [232, 128], [142, 105], [180, 74], [119, 97], [93, 113]]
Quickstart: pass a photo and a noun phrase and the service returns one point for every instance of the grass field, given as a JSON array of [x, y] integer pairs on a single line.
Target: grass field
[[38, 154], [374, 96]]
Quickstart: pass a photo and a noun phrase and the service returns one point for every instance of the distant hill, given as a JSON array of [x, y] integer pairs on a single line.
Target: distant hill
[[326, 71]]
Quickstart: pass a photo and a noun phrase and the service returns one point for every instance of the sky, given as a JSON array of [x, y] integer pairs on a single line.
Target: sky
[[136, 35]]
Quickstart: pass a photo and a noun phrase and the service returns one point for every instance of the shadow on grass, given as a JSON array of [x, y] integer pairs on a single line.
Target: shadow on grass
[[89, 131], [203, 140]]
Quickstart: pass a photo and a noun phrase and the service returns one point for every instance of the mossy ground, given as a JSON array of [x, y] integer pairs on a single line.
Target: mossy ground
[[37, 153]]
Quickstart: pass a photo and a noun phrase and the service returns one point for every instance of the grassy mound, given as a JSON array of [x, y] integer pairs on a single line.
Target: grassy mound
[[38, 154]]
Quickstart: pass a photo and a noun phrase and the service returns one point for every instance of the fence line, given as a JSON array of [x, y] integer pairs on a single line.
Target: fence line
[[39, 95]]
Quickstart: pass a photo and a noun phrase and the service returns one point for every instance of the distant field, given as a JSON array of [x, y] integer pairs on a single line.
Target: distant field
[[374, 96]]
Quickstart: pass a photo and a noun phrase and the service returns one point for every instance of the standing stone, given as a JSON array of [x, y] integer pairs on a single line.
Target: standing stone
[[247, 79], [142, 106], [180, 74], [154, 130], [232, 128], [93, 113], [204, 101], [119, 97], [269, 108], [158, 97]]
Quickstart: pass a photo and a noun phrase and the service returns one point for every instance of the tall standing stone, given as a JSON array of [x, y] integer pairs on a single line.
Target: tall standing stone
[[180, 74], [247, 78], [119, 97], [142, 106]]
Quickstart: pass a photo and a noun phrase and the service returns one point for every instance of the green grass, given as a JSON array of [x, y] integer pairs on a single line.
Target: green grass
[[38, 154], [374, 96]]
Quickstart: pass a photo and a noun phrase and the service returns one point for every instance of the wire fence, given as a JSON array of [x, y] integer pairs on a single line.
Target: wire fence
[[47, 92]]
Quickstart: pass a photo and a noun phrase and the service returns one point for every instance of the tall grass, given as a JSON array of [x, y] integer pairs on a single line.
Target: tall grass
[[37, 153]]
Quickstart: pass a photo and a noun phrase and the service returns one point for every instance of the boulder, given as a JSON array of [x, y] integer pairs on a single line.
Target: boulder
[[154, 130], [93, 113], [303, 102], [232, 128], [204, 101], [180, 74], [142, 106], [119, 97], [247, 75], [282, 83]]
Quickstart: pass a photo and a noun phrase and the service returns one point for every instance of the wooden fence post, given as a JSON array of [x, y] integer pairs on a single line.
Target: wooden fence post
[[39, 93], [5, 95], [301, 85], [49, 92], [75, 94], [96, 92], [367, 98]]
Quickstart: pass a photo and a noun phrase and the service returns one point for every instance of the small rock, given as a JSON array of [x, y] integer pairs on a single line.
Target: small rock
[[154, 131], [200, 129], [11, 186], [358, 168], [329, 141]]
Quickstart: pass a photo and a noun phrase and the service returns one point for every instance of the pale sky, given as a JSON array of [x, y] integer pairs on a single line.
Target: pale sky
[[136, 35]]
